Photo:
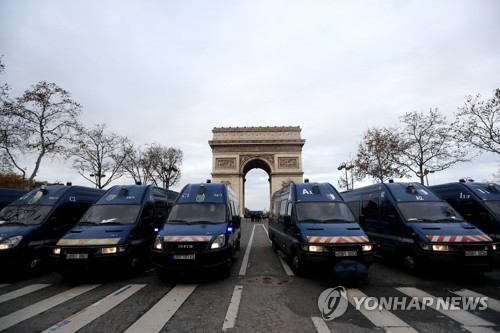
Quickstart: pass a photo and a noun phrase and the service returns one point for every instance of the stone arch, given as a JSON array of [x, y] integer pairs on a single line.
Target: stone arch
[[237, 150]]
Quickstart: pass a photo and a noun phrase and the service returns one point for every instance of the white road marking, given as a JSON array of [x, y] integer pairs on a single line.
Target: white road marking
[[492, 303], [232, 310], [244, 264], [94, 311], [39, 307], [285, 265], [469, 320], [21, 292], [380, 318], [320, 325], [4, 285], [154, 320]]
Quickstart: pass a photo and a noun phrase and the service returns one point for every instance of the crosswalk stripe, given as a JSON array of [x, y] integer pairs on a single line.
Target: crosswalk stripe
[[232, 310], [465, 318], [21, 292], [320, 325], [380, 318], [90, 313], [492, 303], [244, 264], [154, 320], [39, 307]]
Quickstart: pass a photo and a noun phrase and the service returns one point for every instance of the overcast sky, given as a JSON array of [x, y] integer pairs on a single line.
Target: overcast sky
[[170, 71]]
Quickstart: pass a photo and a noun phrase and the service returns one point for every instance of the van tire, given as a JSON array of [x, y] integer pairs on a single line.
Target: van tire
[[296, 264], [274, 246], [410, 263]]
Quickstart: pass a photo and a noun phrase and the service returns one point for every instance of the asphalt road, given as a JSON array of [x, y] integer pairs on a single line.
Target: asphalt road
[[261, 295]]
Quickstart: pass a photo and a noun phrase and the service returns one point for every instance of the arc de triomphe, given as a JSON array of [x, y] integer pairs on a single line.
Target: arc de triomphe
[[237, 150]]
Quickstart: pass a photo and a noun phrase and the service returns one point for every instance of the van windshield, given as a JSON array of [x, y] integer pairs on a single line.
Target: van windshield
[[429, 211], [494, 206], [24, 214], [197, 213], [110, 214], [323, 212]]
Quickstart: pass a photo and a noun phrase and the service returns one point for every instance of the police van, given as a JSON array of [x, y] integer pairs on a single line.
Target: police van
[[202, 231], [314, 227], [408, 221], [9, 195], [478, 203], [116, 233], [36, 221]]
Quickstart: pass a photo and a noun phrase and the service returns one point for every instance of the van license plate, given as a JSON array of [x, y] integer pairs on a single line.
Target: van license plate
[[476, 253], [346, 253], [77, 255], [184, 256]]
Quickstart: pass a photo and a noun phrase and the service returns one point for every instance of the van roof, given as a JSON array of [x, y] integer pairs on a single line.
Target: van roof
[[485, 191], [411, 192], [315, 192], [48, 195], [134, 194], [203, 193]]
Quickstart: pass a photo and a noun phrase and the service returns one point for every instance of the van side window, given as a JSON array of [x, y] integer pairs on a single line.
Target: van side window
[[355, 208], [64, 214], [370, 209], [474, 212], [282, 209], [161, 211], [387, 212]]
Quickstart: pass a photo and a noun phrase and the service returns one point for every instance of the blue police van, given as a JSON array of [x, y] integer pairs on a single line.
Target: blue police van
[[202, 231], [314, 227], [9, 195], [116, 232], [33, 223], [478, 203], [411, 223]]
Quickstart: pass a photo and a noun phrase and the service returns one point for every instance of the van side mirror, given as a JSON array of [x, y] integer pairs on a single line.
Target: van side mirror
[[287, 219], [236, 221]]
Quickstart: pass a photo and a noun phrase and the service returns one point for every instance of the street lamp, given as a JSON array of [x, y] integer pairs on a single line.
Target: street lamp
[[426, 172], [346, 166], [98, 177]]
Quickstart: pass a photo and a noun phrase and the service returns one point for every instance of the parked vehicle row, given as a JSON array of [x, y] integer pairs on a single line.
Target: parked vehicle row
[[411, 223], [130, 227]]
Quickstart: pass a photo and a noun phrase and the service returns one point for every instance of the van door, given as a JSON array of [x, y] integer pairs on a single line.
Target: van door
[[391, 227]]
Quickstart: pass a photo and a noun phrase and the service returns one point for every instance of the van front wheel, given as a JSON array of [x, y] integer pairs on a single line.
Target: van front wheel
[[297, 265], [410, 263]]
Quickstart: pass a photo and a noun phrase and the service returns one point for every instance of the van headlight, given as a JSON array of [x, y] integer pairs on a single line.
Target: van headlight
[[56, 251], [219, 242], [113, 249], [157, 245], [495, 247], [10, 243], [440, 248], [313, 248], [367, 248]]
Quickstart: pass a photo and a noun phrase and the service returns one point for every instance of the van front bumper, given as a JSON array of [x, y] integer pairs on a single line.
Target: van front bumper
[[88, 259], [185, 261], [326, 259], [458, 259]]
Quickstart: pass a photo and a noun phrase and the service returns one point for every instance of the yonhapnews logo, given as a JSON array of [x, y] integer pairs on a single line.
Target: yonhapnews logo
[[333, 303]]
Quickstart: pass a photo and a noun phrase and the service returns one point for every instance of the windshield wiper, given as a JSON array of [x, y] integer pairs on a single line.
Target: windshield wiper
[[111, 222], [204, 222], [178, 221], [86, 223], [336, 220], [448, 219], [13, 222]]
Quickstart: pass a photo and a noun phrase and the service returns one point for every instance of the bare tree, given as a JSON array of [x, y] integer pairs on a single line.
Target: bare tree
[[478, 123], [40, 123], [162, 164], [99, 155], [428, 143], [137, 166], [378, 154]]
